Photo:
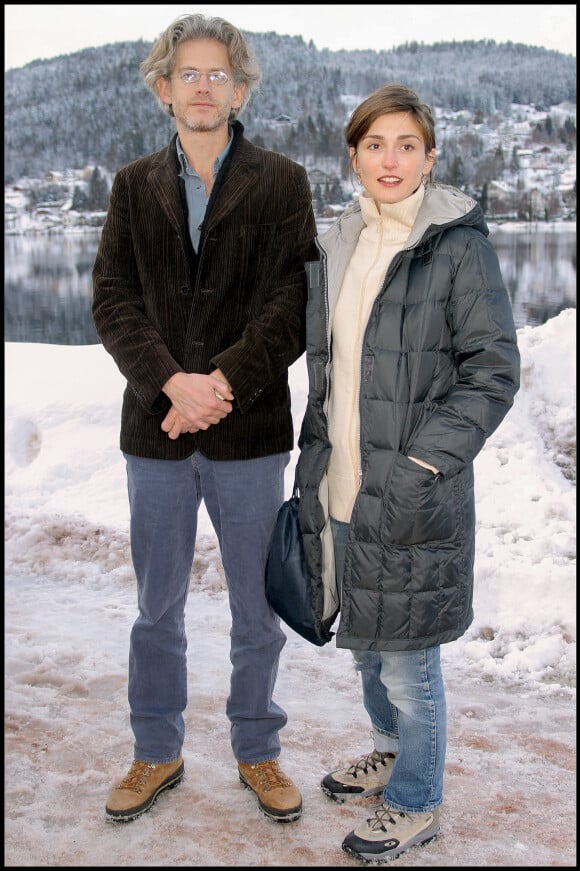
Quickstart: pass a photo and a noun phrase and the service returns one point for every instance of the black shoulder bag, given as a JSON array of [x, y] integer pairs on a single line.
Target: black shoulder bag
[[288, 582]]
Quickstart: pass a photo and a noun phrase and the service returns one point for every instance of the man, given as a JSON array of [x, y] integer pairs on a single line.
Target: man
[[199, 296]]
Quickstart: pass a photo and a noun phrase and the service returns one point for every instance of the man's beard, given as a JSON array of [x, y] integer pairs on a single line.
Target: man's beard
[[206, 126]]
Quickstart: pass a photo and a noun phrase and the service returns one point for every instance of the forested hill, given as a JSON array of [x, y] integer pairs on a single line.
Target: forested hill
[[92, 107]]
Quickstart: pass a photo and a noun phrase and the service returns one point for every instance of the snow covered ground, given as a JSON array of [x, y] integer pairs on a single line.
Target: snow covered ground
[[510, 789]]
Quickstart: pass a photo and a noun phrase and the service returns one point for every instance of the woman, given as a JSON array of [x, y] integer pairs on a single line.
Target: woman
[[413, 363]]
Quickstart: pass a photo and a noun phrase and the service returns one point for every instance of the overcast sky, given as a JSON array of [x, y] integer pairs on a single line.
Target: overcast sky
[[34, 32]]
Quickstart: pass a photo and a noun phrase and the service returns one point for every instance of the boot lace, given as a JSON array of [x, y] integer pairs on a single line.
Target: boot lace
[[373, 760], [137, 776], [270, 776], [383, 816]]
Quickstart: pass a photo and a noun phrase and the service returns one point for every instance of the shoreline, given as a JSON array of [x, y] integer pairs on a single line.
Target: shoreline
[[561, 226]]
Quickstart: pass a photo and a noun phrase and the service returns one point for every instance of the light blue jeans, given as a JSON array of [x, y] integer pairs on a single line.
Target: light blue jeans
[[404, 696], [242, 499]]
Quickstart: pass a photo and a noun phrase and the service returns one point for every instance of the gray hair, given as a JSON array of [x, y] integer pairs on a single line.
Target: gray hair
[[160, 61]]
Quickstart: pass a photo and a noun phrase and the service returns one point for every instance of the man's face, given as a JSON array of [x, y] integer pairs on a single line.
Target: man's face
[[201, 105]]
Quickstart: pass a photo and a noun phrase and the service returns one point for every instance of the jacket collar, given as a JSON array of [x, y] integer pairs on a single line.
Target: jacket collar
[[442, 206], [236, 176]]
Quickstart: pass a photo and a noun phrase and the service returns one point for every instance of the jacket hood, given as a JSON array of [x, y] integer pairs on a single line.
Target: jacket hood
[[447, 206]]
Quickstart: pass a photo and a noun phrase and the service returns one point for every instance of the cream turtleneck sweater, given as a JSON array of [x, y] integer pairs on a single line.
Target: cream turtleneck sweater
[[385, 233]]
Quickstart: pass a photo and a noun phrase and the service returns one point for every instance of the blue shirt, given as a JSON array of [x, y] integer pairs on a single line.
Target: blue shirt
[[195, 194]]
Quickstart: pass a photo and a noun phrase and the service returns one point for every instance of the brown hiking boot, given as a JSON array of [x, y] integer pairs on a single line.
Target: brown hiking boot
[[279, 799], [138, 791]]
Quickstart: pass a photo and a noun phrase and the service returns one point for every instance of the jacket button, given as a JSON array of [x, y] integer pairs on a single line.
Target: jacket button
[[185, 290]]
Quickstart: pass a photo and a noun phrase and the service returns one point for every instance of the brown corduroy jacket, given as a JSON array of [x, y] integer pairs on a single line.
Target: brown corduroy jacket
[[238, 305]]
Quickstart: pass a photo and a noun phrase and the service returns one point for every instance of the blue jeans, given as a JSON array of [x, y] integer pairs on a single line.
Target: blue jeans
[[404, 696], [242, 499]]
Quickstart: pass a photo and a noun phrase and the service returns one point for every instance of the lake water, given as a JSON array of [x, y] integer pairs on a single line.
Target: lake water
[[48, 290]]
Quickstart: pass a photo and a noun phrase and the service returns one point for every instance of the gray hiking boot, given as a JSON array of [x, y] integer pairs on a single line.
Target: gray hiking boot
[[389, 833], [368, 776]]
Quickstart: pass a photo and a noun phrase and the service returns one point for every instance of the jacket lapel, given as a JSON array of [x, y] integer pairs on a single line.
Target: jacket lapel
[[164, 180], [241, 176]]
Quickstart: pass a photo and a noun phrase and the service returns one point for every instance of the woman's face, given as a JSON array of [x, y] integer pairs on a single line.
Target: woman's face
[[391, 158]]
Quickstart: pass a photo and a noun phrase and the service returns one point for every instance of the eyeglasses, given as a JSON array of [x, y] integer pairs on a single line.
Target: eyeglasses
[[216, 77]]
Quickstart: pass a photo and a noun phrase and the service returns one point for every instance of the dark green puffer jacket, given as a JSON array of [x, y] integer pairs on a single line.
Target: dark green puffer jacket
[[439, 371]]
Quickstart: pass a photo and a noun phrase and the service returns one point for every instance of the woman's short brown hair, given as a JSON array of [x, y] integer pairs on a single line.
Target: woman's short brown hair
[[390, 98]]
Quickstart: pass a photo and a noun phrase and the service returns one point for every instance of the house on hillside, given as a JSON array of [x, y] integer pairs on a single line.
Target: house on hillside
[[317, 176]]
